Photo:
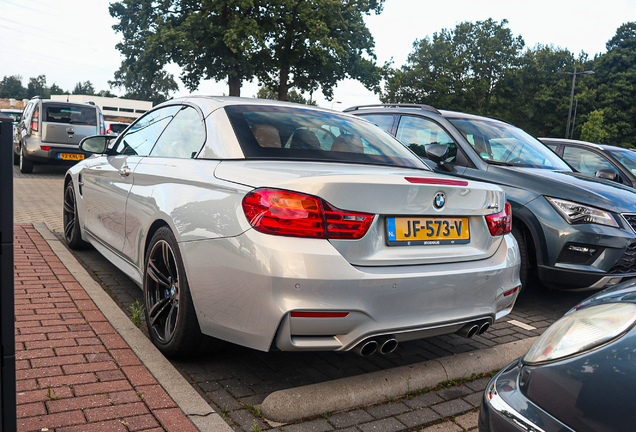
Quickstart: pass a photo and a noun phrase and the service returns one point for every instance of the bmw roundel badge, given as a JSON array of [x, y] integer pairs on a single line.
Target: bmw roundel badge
[[440, 200]]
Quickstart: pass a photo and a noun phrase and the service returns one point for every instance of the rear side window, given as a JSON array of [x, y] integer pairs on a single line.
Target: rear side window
[[184, 136], [382, 120], [71, 114], [273, 132]]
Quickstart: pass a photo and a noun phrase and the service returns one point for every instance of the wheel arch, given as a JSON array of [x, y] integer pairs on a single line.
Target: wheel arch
[[154, 227]]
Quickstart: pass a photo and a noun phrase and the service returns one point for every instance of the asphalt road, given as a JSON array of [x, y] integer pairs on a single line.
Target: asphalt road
[[236, 380]]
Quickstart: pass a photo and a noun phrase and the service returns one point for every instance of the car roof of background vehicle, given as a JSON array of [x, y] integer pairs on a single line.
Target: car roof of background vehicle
[[570, 141], [10, 110], [396, 105]]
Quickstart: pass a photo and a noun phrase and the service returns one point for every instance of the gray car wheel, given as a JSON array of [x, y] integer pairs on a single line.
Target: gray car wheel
[[170, 314], [26, 166]]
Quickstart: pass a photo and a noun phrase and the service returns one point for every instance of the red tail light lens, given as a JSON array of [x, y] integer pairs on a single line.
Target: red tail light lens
[[45, 148], [34, 124], [286, 213], [500, 223]]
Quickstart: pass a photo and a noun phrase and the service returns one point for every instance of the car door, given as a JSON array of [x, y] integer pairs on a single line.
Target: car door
[[588, 162], [159, 179], [418, 132], [107, 179]]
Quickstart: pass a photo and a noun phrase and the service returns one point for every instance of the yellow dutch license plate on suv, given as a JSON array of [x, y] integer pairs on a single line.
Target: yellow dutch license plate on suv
[[70, 156], [411, 231]]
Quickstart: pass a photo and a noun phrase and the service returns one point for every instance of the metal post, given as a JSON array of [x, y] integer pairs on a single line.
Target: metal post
[[7, 326], [576, 105], [567, 129]]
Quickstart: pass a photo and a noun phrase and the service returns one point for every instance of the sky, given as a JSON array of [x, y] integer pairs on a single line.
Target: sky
[[73, 40]]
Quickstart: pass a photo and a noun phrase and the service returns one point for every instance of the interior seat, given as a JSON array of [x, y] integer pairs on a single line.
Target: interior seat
[[304, 139], [266, 136]]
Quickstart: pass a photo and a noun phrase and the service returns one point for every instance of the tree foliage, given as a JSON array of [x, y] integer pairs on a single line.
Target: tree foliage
[[300, 44], [142, 72], [593, 129], [292, 96], [84, 88], [11, 87], [456, 69]]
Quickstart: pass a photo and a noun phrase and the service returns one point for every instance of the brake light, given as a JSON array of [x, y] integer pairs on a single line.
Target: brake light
[[34, 124], [500, 223], [45, 148], [279, 212]]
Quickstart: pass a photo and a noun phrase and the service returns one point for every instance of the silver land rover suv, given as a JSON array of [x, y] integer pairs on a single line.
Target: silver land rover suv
[[50, 132]]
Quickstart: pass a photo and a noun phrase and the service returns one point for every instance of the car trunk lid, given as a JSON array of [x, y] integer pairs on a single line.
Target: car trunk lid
[[399, 197]]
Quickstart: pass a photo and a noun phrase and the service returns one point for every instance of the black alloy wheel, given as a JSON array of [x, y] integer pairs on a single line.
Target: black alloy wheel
[[72, 233], [170, 314]]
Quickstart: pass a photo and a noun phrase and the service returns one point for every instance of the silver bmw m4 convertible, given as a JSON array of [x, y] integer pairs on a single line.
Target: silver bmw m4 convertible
[[281, 226]]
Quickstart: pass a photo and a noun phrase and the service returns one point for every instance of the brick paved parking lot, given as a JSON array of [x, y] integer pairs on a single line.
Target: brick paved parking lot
[[238, 379]]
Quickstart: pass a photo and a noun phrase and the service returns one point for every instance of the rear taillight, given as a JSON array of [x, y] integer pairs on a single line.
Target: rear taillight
[[500, 223], [45, 148], [34, 124], [279, 212]]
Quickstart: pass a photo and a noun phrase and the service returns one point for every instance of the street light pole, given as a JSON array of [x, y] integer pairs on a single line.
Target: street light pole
[[574, 74]]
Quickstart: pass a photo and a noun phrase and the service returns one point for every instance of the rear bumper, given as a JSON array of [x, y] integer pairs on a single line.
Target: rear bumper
[[244, 289], [52, 156]]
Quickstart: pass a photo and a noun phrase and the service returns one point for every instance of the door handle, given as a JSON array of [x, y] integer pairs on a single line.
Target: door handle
[[124, 171]]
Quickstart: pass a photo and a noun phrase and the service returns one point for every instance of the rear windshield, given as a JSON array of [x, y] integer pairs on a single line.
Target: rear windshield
[[117, 128], [268, 132], [15, 116], [71, 114]]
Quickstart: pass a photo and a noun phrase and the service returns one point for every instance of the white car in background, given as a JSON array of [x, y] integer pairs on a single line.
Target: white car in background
[[277, 225]]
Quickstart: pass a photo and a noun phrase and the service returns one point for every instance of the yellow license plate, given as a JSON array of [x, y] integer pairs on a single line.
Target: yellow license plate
[[411, 231], [71, 156]]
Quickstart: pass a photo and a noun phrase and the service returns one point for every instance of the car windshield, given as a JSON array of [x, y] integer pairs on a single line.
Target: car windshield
[[271, 132], [625, 157], [72, 114], [502, 144]]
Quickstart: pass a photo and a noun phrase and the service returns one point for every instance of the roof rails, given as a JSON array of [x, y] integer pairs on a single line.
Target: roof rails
[[395, 105], [36, 97]]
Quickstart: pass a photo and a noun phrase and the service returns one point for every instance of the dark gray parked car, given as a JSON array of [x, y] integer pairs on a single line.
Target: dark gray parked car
[[580, 375], [50, 131], [577, 232], [597, 160]]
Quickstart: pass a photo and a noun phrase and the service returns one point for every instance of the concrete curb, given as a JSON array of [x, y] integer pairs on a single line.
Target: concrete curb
[[185, 396], [294, 404]]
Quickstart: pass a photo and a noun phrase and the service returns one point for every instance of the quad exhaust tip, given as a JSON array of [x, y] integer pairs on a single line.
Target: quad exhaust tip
[[475, 328], [381, 344]]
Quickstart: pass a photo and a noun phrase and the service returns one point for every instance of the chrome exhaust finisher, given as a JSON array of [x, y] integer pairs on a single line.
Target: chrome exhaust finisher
[[469, 330], [388, 345], [483, 328], [366, 348]]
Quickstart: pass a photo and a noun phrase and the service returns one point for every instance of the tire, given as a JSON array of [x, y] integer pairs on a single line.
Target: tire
[[72, 232], [26, 166], [170, 315], [524, 271], [16, 158]]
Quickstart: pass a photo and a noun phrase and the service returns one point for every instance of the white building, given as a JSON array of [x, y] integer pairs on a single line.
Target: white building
[[111, 107]]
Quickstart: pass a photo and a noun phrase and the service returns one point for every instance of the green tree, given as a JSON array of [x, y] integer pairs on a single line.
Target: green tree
[[316, 43], [593, 129], [141, 73], [11, 87], [216, 39], [57, 90], [292, 96], [535, 98], [84, 88], [615, 74], [37, 87], [456, 69]]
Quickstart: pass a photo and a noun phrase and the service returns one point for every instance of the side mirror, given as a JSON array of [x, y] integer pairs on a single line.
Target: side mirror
[[438, 153], [97, 144], [608, 174]]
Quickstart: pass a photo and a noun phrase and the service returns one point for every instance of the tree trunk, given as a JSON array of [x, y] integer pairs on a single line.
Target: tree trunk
[[235, 85], [283, 85]]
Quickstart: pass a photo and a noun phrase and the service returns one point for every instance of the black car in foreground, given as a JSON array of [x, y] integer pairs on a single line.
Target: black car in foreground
[[576, 232], [597, 160], [580, 375]]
